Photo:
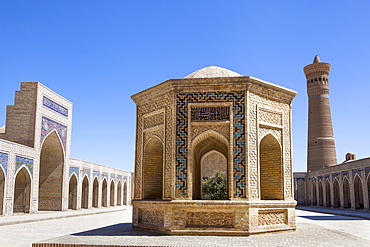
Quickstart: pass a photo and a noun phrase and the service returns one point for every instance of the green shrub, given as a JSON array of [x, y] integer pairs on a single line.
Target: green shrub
[[214, 188]]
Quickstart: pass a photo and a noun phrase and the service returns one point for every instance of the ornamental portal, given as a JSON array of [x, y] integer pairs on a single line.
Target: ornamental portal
[[214, 120]]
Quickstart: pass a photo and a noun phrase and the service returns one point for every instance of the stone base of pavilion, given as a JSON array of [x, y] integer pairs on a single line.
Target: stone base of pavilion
[[214, 217]]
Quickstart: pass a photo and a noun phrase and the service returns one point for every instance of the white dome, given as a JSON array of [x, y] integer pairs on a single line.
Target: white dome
[[212, 71]]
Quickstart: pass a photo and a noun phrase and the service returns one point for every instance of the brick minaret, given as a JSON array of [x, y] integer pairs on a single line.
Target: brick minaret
[[321, 147]]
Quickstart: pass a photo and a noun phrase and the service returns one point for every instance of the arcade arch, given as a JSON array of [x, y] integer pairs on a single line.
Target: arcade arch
[[321, 194], [358, 191], [314, 194], [119, 193], [111, 192], [346, 193], [336, 193], [153, 169], [271, 169], [301, 196], [85, 193], [210, 154], [51, 173], [104, 195], [72, 193], [368, 189], [95, 202], [22, 192], [2, 190], [124, 193], [327, 194]]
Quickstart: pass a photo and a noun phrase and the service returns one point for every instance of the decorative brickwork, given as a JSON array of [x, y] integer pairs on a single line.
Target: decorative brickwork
[[209, 219], [151, 217], [271, 218]]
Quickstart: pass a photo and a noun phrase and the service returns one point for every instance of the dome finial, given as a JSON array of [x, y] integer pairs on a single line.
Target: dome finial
[[316, 59]]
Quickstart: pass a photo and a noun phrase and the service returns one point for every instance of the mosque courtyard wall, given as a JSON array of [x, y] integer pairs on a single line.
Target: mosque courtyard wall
[[36, 171]]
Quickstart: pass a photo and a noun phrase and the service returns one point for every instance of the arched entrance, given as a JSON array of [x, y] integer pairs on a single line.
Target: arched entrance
[[314, 194], [210, 155], [2, 190], [124, 193], [96, 193], [321, 194], [153, 169], [301, 192], [22, 192], [368, 188], [85, 193], [104, 195], [72, 193], [271, 170], [359, 198], [111, 193], [336, 193], [346, 193], [119, 193], [51, 173], [327, 194]]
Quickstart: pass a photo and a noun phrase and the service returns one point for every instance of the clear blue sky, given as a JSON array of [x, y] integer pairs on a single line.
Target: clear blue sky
[[98, 53]]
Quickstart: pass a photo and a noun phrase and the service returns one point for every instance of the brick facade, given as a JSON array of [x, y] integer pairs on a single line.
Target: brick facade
[[218, 121]]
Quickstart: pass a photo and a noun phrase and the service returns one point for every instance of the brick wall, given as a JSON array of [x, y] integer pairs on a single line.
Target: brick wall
[[271, 177], [153, 169]]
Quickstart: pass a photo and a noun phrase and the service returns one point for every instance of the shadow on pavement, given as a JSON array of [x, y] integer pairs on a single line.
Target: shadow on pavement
[[330, 217], [122, 229]]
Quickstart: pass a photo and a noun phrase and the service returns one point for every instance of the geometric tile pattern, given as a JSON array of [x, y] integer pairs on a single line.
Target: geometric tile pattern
[[4, 161], [74, 170], [20, 161], [356, 171], [49, 125], [54, 106], [182, 114]]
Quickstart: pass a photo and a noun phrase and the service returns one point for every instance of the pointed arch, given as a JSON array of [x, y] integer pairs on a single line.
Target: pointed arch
[[210, 153], [111, 190], [358, 191], [336, 193], [119, 193], [2, 190], [321, 194], [104, 195], [271, 169], [327, 193], [22, 191], [153, 169], [85, 192], [314, 194], [301, 192], [72, 192], [51, 173], [95, 195], [368, 188], [125, 202], [346, 193]]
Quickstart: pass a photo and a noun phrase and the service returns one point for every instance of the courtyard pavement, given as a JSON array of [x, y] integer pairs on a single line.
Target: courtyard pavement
[[112, 226]]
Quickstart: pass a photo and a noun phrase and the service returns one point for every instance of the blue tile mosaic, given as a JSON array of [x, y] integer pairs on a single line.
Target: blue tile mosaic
[[21, 161], [55, 106], [4, 161], [182, 101], [119, 177], [105, 175], [303, 179], [319, 178], [345, 174], [335, 174], [74, 170], [49, 125], [86, 171], [367, 170], [356, 171], [96, 174]]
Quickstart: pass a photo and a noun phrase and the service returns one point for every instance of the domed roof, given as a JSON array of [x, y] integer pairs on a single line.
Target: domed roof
[[212, 71]]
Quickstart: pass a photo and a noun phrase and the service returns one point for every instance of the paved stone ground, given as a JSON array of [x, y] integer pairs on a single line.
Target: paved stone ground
[[114, 228]]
